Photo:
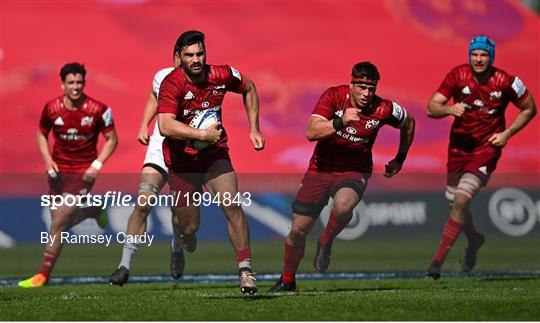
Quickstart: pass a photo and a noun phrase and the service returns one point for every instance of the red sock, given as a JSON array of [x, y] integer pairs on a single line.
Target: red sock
[[243, 255], [333, 228], [450, 233], [291, 260], [49, 259]]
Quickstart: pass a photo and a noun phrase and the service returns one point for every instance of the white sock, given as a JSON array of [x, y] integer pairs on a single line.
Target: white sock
[[129, 250], [244, 264]]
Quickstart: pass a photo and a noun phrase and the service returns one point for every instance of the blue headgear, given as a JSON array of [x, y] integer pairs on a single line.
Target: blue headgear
[[483, 43]]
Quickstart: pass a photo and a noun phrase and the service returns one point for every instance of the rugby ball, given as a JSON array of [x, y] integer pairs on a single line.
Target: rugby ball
[[203, 120]]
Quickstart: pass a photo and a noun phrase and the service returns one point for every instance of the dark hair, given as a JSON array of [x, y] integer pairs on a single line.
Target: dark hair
[[188, 38], [366, 70], [72, 68]]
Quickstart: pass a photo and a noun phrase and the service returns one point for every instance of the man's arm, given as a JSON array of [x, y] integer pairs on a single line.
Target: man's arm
[[111, 142], [43, 145], [150, 110], [319, 128], [172, 128], [438, 107], [406, 137], [528, 111], [251, 103]]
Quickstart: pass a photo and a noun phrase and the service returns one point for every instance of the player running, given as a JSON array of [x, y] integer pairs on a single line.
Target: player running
[[193, 89], [345, 123], [76, 121], [153, 178], [480, 92]]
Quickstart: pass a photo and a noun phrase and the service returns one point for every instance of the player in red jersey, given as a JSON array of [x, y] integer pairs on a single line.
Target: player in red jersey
[[345, 123], [192, 89], [76, 121], [480, 92]]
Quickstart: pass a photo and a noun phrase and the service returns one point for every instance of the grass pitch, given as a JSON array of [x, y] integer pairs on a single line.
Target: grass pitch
[[450, 298]]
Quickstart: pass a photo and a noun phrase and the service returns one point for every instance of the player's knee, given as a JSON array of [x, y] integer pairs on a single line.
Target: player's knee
[[298, 232], [344, 205]]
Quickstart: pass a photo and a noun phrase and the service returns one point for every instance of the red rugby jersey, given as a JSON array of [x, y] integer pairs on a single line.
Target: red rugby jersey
[[350, 148], [485, 105], [185, 99], [76, 131]]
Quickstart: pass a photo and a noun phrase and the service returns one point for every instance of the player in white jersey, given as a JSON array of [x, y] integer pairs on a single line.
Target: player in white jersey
[[153, 178]]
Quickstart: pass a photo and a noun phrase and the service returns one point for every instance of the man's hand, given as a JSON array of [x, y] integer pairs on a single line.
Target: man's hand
[[142, 135], [499, 139], [257, 140], [392, 168], [51, 165], [350, 115], [90, 174], [212, 133], [457, 109]]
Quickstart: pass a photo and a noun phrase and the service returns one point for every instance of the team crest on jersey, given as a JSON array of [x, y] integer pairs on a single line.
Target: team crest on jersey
[[495, 95], [372, 124], [478, 103], [466, 90], [218, 89], [86, 121], [189, 96], [59, 121], [351, 130], [205, 104]]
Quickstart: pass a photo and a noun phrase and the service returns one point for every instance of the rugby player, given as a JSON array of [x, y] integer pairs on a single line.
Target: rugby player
[[345, 123], [480, 93], [76, 120]]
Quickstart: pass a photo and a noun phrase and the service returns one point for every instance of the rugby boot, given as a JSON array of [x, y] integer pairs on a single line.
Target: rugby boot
[[247, 281], [322, 258], [120, 276], [282, 287], [189, 242], [434, 270], [37, 280], [469, 260], [177, 264]]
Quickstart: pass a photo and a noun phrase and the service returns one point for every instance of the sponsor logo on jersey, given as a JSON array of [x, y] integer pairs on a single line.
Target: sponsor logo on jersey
[[107, 117], [205, 104], [87, 121], [189, 96], [235, 73], [483, 169], [351, 130], [59, 121], [518, 87], [351, 137], [495, 95], [466, 90], [72, 134], [478, 103], [397, 111], [372, 124]]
